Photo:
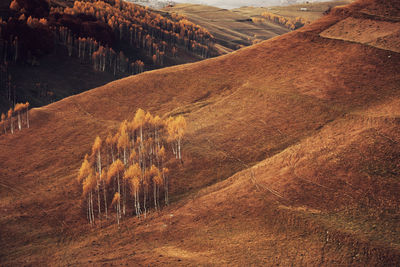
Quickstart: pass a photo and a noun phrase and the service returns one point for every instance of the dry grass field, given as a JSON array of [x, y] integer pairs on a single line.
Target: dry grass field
[[291, 158], [314, 10], [231, 29]]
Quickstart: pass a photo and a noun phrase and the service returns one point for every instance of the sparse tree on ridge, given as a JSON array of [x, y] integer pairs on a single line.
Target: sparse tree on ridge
[[18, 108]]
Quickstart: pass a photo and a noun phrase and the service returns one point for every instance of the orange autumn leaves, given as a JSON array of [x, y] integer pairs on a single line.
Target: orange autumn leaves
[[21, 112], [130, 167]]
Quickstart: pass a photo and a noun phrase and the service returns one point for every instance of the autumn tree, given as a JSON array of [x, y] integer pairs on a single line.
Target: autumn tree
[[116, 201], [26, 106], [96, 148], [123, 145], [18, 108], [85, 175], [176, 130], [10, 118], [132, 174], [114, 172], [3, 121]]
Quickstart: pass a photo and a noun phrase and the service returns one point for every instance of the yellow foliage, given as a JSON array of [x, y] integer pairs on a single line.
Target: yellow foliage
[[153, 170], [10, 113], [133, 172], [115, 169], [109, 139], [158, 180], [85, 170], [89, 183], [162, 153], [149, 118], [180, 126], [116, 198], [96, 145], [139, 117], [123, 140], [157, 121], [165, 171]]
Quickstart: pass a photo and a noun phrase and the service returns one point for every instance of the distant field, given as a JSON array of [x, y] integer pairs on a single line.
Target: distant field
[[314, 10], [231, 29]]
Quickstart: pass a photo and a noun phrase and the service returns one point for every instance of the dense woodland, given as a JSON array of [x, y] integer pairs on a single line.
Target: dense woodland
[[113, 36], [129, 170]]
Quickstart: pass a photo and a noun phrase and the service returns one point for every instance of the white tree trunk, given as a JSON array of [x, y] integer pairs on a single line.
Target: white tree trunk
[[27, 117], [19, 121]]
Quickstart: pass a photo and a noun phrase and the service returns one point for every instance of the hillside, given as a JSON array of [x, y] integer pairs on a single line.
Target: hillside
[[231, 30], [291, 157], [304, 13]]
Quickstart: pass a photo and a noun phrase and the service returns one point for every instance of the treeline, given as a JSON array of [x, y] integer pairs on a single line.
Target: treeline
[[19, 114], [142, 28], [129, 169], [89, 50], [290, 23], [114, 36]]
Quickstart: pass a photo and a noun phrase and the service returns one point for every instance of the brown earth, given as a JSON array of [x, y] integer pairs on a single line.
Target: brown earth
[[291, 158]]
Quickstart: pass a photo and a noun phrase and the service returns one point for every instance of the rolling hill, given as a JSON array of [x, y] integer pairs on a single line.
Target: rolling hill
[[291, 157]]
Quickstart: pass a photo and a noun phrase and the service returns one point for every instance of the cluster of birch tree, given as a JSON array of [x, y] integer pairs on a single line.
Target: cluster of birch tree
[[19, 114], [130, 166]]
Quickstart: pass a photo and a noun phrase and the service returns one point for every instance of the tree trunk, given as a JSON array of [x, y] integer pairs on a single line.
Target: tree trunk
[[105, 198], [19, 121], [179, 148], [27, 117], [98, 200], [155, 195], [119, 192], [12, 125]]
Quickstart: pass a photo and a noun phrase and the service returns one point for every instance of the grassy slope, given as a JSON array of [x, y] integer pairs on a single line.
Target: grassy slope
[[324, 134], [314, 10], [229, 28]]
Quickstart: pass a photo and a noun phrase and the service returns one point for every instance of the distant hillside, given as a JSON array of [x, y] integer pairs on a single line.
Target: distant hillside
[[232, 30], [230, 4], [103, 40], [291, 16]]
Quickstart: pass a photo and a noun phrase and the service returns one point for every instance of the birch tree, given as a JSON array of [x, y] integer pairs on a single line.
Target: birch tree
[[116, 201], [123, 144], [18, 108], [27, 114], [10, 117], [3, 121], [96, 148], [132, 174], [114, 172]]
